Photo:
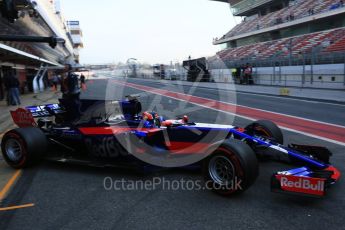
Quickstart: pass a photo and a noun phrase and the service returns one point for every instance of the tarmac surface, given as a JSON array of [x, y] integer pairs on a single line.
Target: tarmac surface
[[75, 197]]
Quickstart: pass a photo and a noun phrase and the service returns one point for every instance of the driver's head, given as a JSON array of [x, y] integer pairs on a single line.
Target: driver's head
[[152, 119], [147, 116]]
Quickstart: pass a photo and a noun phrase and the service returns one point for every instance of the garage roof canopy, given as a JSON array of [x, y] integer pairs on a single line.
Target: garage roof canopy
[[10, 54]]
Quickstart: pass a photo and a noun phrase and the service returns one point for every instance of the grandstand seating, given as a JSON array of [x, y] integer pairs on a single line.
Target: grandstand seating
[[298, 10], [339, 44], [325, 41]]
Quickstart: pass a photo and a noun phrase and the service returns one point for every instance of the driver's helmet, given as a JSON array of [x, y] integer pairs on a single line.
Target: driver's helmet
[[151, 119]]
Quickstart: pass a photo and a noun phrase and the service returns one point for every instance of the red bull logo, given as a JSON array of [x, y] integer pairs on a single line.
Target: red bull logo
[[312, 186]]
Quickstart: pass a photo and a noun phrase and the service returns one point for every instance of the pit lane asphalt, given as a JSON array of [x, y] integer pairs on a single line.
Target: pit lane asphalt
[[73, 197]]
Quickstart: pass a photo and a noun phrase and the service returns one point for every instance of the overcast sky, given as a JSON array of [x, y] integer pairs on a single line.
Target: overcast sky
[[153, 31]]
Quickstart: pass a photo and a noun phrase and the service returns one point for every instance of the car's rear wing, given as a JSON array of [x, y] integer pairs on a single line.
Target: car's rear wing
[[25, 117], [45, 110]]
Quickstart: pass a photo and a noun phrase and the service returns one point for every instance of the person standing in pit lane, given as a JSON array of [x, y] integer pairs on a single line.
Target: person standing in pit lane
[[55, 81], [71, 94], [12, 86], [82, 82]]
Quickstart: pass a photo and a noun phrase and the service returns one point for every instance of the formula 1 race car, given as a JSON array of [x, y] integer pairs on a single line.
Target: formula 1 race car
[[117, 133]]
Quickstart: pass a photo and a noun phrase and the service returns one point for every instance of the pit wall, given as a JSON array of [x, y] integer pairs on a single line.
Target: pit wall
[[330, 76]]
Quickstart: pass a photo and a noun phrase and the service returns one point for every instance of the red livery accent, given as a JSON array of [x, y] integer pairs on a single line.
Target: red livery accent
[[242, 130], [298, 184], [104, 130], [113, 130], [187, 147], [336, 173], [23, 118]]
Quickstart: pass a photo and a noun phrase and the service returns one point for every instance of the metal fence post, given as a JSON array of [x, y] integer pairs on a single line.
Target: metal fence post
[[303, 74], [344, 71], [280, 71], [274, 71], [312, 66], [290, 52]]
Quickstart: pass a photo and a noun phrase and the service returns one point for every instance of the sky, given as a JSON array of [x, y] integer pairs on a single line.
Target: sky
[[152, 31]]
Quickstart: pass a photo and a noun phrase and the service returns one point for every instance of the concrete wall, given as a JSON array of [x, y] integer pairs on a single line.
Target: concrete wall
[[318, 76]]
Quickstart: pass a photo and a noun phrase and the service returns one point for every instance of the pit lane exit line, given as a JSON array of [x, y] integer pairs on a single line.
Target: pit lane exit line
[[17, 207], [9, 184], [324, 131]]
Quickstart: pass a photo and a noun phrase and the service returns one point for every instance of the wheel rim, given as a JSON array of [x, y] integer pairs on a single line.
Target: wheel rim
[[221, 170], [259, 131], [13, 150]]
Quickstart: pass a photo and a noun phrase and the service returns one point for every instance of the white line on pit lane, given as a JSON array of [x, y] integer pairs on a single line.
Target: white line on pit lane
[[287, 98]]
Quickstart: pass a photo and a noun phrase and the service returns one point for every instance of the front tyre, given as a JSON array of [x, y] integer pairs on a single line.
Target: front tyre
[[266, 129], [23, 147], [231, 169]]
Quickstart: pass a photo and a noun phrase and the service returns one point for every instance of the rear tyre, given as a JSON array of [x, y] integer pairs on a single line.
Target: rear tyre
[[23, 147], [231, 169], [266, 129]]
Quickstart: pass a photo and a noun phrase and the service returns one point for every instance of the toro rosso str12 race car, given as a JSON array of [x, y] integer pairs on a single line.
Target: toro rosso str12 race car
[[119, 134]]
